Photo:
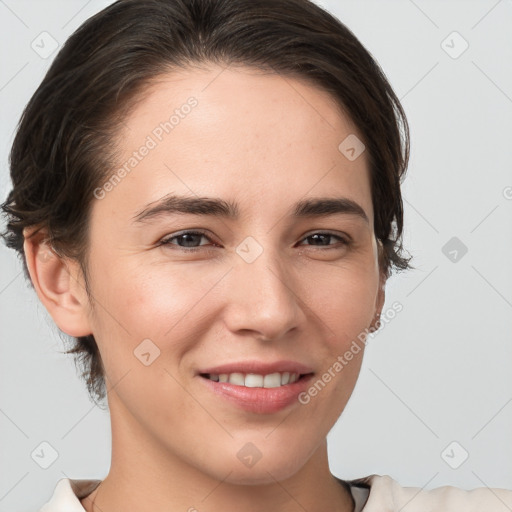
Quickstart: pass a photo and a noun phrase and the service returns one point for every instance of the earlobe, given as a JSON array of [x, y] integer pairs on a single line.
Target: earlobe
[[58, 284], [381, 297]]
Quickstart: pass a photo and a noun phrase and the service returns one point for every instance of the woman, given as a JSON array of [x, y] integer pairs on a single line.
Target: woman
[[206, 195]]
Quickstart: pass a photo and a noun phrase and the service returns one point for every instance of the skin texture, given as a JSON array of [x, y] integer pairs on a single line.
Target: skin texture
[[265, 141]]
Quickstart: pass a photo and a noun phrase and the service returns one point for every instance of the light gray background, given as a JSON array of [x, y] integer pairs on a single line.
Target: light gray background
[[438, 372]]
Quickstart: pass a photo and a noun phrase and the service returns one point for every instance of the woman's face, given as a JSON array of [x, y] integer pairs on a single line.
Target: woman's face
[[261, 285]]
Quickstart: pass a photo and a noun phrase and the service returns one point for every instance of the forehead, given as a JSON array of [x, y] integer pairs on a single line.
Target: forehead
[[237, 133]]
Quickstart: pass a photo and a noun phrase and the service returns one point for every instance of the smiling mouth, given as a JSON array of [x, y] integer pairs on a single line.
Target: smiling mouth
[[254, 380]]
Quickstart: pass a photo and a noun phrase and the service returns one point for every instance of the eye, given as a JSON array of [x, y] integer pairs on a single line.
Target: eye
[[190, 241], [186, 240], [321, 239]]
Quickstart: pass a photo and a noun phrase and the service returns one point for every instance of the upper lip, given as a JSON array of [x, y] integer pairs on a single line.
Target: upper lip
[[258, 367]]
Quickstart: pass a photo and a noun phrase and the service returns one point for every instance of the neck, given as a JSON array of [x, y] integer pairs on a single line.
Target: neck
[[144, 476]]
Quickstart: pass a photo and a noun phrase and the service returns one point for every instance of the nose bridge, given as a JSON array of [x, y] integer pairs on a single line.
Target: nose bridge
[[263, 298]]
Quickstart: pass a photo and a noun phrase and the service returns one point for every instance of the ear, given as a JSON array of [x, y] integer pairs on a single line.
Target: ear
[[58, 283], [381, 294]]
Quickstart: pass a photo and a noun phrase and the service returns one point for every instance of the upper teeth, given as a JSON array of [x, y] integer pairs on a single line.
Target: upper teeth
[[253, 380]]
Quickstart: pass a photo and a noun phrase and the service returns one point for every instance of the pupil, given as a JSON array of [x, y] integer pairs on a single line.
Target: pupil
[[316, 238], [187, 238]]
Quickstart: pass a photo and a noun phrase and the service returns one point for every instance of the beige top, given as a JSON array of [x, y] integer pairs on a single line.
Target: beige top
[[374, 493]]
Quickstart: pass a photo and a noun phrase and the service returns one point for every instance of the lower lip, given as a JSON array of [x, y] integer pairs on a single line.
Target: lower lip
[[260, 400]]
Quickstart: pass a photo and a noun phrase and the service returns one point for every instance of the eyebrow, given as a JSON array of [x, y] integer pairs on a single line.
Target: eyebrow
[[216, 207]]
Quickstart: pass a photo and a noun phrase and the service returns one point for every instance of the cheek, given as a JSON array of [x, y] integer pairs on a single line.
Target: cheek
[[167, 302], [344, 298], [148, 299], [155, 302]]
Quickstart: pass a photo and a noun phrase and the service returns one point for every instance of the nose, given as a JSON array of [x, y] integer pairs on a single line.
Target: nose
[[264, 298]]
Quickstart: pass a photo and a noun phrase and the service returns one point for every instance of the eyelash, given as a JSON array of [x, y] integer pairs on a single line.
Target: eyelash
[[167, 241]]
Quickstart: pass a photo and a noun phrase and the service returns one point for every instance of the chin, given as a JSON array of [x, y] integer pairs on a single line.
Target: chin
[[262, 474], [251, 465]]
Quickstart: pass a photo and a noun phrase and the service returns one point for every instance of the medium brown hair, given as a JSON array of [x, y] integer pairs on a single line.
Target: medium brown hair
[[64, 146]]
